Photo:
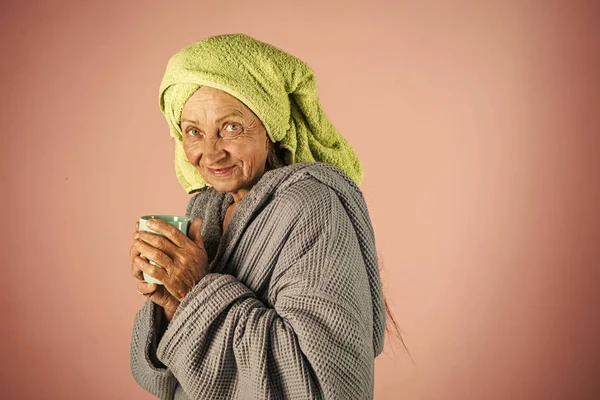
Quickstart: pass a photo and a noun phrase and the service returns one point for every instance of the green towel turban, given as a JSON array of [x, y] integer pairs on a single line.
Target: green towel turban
[[278, 87]]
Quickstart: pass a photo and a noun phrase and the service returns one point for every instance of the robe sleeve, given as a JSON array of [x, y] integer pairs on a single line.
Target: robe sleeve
[[147, 370], [312, 339]]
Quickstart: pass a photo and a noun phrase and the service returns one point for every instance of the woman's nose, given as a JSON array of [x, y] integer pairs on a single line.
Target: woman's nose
[[213, 148], [213, 144]]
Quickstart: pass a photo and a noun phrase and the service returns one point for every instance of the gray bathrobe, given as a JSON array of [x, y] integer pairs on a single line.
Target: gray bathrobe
[[292, 307]]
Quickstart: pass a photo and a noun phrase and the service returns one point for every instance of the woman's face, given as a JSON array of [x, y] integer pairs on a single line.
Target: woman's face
[[224, 140]]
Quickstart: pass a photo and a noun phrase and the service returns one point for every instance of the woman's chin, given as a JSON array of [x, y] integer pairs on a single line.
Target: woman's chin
[[229, 184], [223, 186]]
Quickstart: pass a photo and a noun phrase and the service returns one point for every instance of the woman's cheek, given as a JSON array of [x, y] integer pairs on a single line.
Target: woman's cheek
[[190, 149]]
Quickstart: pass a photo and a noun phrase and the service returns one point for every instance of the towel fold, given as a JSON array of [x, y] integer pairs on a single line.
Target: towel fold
[[278, 87]]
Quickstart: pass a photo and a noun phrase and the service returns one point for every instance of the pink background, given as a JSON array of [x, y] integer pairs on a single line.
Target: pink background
[[478, 127]]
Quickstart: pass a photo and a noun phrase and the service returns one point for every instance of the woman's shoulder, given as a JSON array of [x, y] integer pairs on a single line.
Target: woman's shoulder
[[317, 188], [311, 184], [321, 173], [305, 197]]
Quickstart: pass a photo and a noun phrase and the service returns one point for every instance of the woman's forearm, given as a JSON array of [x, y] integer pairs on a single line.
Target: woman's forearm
[[167, 316]]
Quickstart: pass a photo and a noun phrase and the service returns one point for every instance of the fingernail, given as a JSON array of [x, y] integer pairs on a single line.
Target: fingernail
[[150, 223]]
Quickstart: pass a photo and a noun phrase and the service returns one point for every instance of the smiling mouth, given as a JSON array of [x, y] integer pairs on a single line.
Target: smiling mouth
[[220, 171]]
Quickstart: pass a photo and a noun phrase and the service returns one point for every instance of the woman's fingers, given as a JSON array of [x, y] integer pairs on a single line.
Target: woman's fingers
[[140, 252], [158, 294], [133, 252], [195, 232], [174, 235], [136, 271], [146, 288], [154, 253], [160, 243], [151, 270], [136, 259]]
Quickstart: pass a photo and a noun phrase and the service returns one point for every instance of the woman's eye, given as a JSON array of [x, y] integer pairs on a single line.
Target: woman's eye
[[193, 132], [233, 129]]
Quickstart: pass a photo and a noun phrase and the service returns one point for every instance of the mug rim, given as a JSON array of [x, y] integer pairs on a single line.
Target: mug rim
[[166, 217]]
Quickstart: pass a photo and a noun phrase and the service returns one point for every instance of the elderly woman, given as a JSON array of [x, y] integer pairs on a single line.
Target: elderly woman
[[275, 293]]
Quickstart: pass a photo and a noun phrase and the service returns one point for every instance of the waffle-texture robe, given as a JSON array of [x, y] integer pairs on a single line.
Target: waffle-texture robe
[[292, 307]]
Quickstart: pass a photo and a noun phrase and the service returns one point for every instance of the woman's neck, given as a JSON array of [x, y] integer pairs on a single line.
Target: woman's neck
[[239, 196]]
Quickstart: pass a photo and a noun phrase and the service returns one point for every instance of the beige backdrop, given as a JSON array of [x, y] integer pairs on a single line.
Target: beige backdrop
[[478, 127]]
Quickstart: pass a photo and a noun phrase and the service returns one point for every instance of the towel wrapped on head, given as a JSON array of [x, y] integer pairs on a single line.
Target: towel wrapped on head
[[278, 87]]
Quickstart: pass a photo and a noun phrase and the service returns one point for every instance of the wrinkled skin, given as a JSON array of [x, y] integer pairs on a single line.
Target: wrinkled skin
[[219, 131], [184, 261]]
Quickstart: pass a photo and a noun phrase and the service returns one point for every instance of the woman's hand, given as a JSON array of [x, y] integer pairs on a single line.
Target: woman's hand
[[184, 261]]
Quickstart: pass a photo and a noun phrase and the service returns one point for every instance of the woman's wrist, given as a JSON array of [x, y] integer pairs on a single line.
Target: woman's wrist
[[167, 315]]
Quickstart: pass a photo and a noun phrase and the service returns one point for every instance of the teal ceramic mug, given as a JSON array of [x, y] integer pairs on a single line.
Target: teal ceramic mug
[[181, 223]]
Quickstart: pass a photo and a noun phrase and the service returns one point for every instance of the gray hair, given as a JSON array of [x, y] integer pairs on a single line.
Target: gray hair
[[275, 158]]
